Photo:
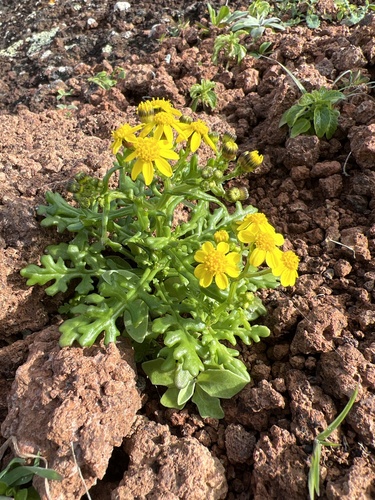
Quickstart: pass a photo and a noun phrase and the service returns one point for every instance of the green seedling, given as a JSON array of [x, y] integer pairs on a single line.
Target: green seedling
[[106, 81], [16, 478], [321, 440], [61, 95], [203, 93], [229, 46], [256, 25]]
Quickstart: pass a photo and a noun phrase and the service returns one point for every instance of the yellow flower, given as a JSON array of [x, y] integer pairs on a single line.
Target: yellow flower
[[266, 249], [221, 235], [125, 133], [163, 123], [216, 263], [165, 105], [253, 224], [149, 153], [287, 268], [196, 131], [250, 160]]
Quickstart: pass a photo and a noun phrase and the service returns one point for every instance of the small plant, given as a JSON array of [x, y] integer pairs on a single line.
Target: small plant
[[185, 292], [351, 14], [230, 47], [61, 95], [106, 81], [321, 440], [256, 24], [15, 479], [203, 93], [314, 113]]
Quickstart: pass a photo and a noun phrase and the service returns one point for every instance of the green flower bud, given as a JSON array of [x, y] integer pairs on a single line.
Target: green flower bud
[[236, 194], [186, 119], [218, 175], [207, 172], [214, 136]]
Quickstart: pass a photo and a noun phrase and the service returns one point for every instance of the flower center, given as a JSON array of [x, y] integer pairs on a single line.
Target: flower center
[[147, 148], [199, 127], [164, 118], [290, 260], [215, 262], [265, 241]]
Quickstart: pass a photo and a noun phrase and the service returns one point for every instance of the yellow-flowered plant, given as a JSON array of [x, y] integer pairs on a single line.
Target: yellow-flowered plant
[[181, 291]]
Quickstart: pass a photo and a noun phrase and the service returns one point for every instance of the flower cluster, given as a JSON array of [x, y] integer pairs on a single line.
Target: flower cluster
[[155, 144], [264, 243]]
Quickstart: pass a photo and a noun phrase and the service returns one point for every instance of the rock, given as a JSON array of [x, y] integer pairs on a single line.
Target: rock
[[341, 369], [357, 484], [312, 410], [302, 150], [362, 144], [239, 443], [164, 466], [362, 419], [279, 467], [78, 398], [315, 333]]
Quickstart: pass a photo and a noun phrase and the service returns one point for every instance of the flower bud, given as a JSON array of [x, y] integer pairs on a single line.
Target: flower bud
[[207, 172], [250, 160], [228, 137], [145, 111], [186, 119], [229, 150], [214, 136], [237, 194], [218, 175], [221, 235]]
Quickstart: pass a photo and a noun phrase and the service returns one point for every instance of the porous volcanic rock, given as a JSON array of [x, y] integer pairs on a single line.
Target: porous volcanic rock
[[163, 466], [72, 399]]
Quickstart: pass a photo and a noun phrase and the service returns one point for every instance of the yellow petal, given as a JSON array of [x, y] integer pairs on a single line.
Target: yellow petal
[[206, 279], [207, 247], [131, 156], [223, 247], [221, 281], [137, 169], [195, 142], [164, 167], [200, 256], [257, 257], [232, 271], [148, 172]]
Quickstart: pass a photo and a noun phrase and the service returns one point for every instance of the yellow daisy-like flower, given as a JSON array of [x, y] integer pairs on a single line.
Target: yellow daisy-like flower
[[221, 235], [266, 249], [287, 268], [196, 131], [163, 124], [216, 263], [149, 153], [125, 133], [253, 224], [165, 105]]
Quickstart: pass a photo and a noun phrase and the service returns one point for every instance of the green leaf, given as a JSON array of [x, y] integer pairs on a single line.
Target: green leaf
[[170, 398], [136, 320], [208, 407], [292, 114], [221, 383], [158, 376], [312, 21], [186, 393], [325, 121], [300, 127]]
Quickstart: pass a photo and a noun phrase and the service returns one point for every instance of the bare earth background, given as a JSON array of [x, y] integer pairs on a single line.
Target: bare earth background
[[323, 329]]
